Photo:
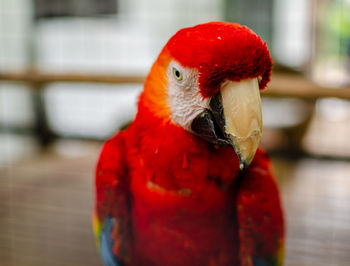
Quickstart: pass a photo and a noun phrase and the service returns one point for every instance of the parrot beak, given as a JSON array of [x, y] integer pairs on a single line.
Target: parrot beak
[[241, 105], [233, 118]]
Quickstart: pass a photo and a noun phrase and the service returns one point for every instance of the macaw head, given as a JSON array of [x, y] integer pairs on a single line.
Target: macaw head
[[207, 80]]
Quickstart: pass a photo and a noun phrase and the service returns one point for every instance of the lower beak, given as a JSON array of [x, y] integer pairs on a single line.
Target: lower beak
[[234, 118]]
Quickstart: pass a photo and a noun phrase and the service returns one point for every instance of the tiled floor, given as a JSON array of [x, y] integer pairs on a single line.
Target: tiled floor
[[316, 196], [45, 211], [46, 202]]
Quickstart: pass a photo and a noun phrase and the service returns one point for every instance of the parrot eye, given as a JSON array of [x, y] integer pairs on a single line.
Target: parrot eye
[[177, 74]]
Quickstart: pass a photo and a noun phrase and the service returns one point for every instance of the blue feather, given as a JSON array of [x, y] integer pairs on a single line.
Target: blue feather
[[264, 262], [106, 244]]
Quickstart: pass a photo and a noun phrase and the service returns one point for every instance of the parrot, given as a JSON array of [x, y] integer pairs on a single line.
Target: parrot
[[186, 183]]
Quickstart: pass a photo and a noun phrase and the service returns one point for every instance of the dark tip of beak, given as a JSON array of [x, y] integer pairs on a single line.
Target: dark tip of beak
[[242, 163]]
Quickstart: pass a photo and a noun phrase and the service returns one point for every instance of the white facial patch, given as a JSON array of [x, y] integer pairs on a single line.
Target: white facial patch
[[184, 98]]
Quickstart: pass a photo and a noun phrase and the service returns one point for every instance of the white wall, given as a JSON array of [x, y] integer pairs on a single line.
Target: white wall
[[15, 107], [15, 30], [292, 32], [127, 43]]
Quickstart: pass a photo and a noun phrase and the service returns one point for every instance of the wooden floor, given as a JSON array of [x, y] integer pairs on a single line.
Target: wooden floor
[[46, 202]]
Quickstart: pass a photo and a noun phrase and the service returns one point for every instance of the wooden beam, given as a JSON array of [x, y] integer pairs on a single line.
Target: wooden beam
[[42, 77], [284, 85], [281, 85]]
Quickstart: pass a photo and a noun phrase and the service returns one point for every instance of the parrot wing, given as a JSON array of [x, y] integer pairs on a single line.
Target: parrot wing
[[260, 218], [112, 207]]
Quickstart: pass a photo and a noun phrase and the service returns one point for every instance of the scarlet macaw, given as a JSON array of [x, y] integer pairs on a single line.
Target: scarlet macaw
[[185, 183]]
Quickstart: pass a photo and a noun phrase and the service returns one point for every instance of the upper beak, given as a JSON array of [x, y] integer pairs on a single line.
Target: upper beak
[[242, 114], [233, 118]]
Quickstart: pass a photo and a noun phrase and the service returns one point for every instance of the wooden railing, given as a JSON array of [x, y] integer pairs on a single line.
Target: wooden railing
[[281, 85], [287, 85], [45, 78]]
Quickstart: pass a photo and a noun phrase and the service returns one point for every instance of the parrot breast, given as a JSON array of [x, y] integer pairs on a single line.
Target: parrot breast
[[179, 232], [183, 199]]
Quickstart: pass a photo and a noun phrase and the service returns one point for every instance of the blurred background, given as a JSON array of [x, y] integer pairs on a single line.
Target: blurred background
[[70, 74]]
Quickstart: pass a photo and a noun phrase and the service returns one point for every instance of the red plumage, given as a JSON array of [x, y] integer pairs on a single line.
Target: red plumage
[[221, 51], [175, 198]]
